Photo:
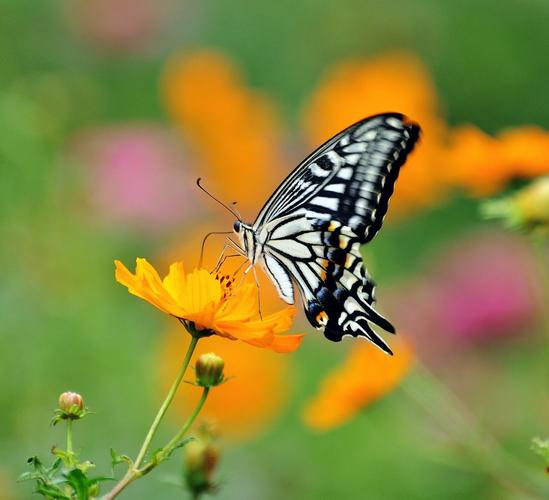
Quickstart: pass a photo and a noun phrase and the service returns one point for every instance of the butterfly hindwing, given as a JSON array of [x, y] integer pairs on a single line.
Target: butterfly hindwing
[[337, 292]]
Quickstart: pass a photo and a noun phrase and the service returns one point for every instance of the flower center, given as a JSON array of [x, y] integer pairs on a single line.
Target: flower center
[[226, 281]]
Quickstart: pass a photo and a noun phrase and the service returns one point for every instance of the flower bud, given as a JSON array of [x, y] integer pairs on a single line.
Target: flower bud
[[533, 202], [209, 370], [71, 405], [527, 209], [201, 458]]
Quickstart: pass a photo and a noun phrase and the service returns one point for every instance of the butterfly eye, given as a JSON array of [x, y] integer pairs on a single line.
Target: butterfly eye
[[236, 226]]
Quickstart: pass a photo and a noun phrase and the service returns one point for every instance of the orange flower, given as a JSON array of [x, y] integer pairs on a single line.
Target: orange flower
[[204, 303], [354, 89], [366, 375], [484, 165], [188, 250], [256, 392], [232, 128]]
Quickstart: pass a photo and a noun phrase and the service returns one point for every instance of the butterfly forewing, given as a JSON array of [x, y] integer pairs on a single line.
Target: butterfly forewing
[[311, 228]]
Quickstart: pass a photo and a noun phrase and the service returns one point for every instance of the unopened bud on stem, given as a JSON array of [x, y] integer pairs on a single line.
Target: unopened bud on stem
[[71, 405], [201, 458], [209, 370]]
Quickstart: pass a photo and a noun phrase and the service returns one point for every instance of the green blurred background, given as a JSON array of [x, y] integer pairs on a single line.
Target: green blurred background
[[66, 324]]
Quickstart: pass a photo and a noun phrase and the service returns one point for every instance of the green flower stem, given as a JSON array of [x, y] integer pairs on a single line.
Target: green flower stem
[[134, 472], [456, 419], [166, 403], [167, 450], [70, 452], [186, 426]]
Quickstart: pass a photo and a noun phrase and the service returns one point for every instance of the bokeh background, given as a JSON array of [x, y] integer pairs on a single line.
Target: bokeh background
[[110, 109]]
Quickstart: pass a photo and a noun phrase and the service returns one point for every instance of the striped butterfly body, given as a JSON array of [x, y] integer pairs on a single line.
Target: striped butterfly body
[[310, 231]]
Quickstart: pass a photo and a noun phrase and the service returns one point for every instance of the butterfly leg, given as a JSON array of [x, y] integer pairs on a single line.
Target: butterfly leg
[[222, 260], [230, 244], [258, 292]]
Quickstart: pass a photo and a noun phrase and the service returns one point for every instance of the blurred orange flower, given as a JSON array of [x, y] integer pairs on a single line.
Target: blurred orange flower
[[235, 130], [483, 165], [366, 375], [256, 392], [399, 82], [203, 302]]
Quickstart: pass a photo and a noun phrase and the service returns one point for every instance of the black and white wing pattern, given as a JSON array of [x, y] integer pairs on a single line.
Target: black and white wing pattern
[[311, 229]]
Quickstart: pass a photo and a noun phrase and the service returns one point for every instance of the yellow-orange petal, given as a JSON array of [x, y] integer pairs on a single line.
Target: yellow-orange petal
[[286, 343], [261, 331], [175, 280], [241, 306], [153, 284], [248, 330], [136, 285], [366, 375], [125, 277], [146, 284], [200, 290]]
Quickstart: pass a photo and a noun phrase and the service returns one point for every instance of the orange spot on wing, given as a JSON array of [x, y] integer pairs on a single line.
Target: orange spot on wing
[[322, 318]]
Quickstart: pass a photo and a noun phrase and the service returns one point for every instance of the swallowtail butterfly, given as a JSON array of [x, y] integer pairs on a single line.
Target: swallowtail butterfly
[[310, 230]]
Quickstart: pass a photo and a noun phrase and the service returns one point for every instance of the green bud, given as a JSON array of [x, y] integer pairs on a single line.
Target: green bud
[[209, 370], [71, 405]]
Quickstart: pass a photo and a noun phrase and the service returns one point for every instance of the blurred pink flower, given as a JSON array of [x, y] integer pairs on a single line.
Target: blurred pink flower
[[120, 25], [485, 287], [138, 175], [481, 288]]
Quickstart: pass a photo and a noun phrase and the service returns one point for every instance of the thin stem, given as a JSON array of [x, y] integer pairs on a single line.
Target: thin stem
[[166, 403], [187, 425], [134, 472], [70, 453], [166, 451]]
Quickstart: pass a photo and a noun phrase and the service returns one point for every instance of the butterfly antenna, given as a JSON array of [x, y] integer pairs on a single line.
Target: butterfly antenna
[[227, 207], [233, 205], [211, 233]]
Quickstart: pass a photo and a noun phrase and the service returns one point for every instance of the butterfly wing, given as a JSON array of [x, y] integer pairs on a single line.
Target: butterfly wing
[[350, 178], [315, 222]]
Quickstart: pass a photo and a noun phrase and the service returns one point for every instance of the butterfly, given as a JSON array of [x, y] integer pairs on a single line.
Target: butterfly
[[310, 230]]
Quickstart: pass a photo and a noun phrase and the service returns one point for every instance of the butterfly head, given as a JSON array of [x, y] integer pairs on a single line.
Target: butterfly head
[[246, 237]]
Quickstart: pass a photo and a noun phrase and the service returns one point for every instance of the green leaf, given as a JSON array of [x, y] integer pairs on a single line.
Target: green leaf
[[29, 476], [39, 471], [158, 454], [179, 445], [50, 491], [79, 482], [57, 464], [116, 458], [100, 479]]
